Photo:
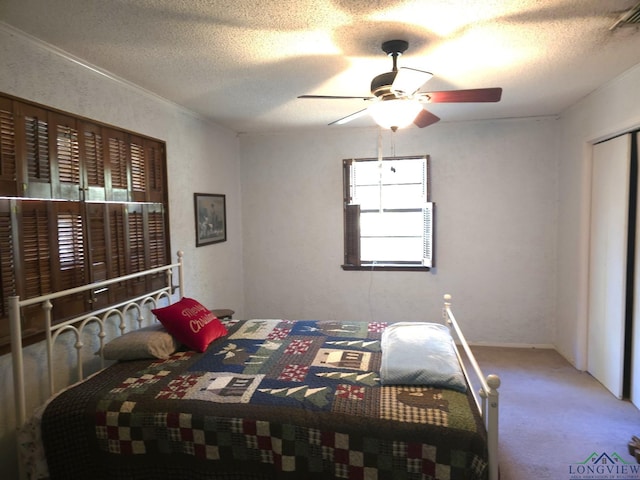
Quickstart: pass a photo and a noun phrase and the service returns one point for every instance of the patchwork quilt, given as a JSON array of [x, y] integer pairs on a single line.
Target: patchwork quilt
[[275, 399]]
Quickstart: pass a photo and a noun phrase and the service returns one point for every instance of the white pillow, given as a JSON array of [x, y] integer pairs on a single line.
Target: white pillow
[[415, 353]]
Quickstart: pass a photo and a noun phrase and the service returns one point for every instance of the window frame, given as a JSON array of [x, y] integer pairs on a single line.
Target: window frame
[[351, 222]]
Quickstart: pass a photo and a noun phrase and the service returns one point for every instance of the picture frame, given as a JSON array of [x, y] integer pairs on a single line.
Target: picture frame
[[211, 218]]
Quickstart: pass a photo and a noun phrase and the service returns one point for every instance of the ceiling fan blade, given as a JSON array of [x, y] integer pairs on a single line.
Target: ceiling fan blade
[[334, 97], [425, 118], [462, 96], [348, 118], [408, 81]]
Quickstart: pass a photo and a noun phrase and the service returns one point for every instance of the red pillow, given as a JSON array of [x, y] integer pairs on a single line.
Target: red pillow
[[190, 323]]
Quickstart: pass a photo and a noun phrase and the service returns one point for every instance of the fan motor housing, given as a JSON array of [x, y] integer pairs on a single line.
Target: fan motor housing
[[381, 85]]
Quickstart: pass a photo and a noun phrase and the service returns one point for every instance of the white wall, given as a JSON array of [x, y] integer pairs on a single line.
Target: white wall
[[200, 156], [612, 109], [495, 188]]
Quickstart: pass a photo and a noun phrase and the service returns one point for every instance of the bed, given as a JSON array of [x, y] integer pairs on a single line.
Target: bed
[[261, 399]]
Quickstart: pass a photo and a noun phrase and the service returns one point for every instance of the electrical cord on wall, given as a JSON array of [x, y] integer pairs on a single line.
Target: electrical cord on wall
[[370, 288]]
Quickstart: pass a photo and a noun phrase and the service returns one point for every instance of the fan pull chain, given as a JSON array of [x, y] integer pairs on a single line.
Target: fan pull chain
[[393, 143], [380, 168]]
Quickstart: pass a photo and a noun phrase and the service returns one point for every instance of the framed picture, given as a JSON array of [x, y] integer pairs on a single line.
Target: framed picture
[[211, 218]]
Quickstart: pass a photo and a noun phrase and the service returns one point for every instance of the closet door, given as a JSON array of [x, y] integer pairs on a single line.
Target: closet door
[[608, 261]]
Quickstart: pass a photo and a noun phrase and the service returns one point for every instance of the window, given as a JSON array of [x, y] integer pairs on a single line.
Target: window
[[388, 216]]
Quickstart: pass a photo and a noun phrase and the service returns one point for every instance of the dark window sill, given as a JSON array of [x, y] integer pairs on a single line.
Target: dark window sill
[[387, 268]]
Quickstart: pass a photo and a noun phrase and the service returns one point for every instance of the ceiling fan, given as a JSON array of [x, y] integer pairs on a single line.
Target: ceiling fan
[[397, 99]]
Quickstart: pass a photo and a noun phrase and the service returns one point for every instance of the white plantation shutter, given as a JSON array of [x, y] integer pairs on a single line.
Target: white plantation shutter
[[427, 236]]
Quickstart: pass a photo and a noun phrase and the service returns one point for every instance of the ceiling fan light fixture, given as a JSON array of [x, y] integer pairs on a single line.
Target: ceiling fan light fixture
[[395, 113], [398, 98]]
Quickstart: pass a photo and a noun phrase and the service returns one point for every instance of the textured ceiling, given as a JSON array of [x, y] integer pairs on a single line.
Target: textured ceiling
[[242, 63]]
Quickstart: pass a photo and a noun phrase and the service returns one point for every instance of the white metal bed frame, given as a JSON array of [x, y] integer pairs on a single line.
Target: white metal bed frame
[[486, 398], [78, 324]]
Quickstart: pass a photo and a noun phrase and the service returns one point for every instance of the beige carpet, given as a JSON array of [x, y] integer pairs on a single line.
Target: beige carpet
[[553, 416]]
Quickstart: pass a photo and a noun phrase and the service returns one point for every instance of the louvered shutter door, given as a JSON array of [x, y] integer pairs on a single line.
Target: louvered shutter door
[[157, 238], [117, 243], [97, 251], [36, 248], [70, 245], [155, 157], [92, 155], [136, 246], [157, 241], [97, 241], [7, 269], [117, 177], [35, 270], [71, 265], [117, 250], [10, 181], [136, 238], [138, 170], [65, 161], [33, 141]]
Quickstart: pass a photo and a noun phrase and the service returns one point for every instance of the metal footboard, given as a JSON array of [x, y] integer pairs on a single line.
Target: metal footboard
[[487, 398]]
